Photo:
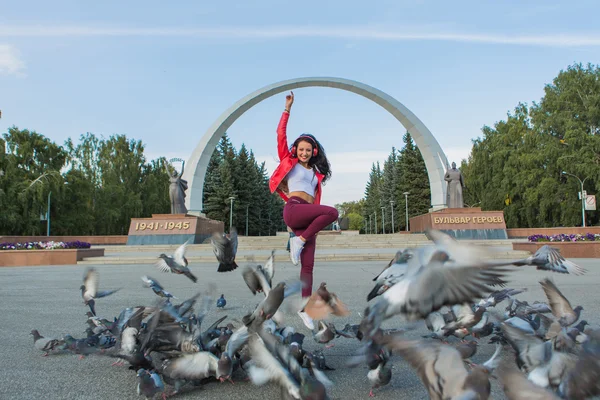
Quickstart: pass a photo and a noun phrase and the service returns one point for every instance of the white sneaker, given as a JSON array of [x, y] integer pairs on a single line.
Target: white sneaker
[[296, 246], [308, 322]]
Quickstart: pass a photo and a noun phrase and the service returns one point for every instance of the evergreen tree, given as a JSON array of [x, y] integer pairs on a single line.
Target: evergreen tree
[[414, 179]]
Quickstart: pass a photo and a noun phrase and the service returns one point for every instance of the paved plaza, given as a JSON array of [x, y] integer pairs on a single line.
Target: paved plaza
[[48, 299]]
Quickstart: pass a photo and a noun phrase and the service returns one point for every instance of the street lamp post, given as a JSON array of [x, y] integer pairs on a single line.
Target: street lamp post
[[375, 214], [48, 215], [383, 220], [582, 197], [392, 207], [231, 212], [247, 219], [406, 203]]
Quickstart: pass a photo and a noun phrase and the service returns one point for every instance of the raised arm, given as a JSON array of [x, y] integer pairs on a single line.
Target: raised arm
[[182, 166], [282, 144]]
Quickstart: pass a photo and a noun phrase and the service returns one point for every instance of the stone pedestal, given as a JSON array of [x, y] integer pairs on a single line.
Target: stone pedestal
[[171, 229], [462, 223]]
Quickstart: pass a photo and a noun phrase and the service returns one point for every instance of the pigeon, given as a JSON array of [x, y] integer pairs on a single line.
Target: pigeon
[[189, 367], [269, 305], [435, 323], [176, 264], [561, 308], [583, 380], [225, 250], [392, 273], [428, 288], [322, 303], [517, 387], [467, 350], [465, 317], [531, 351], [441, 369], [381, 375], [221, 302], [149, 383], [156, 287], [549, 259], [45, 344], [498, 296], [269, 269], [89, 289], [283, 369]]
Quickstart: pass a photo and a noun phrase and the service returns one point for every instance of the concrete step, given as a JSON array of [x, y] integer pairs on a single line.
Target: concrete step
[[319, 256], [281, 243]]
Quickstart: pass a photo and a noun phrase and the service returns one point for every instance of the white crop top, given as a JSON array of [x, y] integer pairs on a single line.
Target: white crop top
[[300, 179]]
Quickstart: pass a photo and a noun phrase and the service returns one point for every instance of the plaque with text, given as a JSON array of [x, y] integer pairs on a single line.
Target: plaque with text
[[463, 223], [171, 229]]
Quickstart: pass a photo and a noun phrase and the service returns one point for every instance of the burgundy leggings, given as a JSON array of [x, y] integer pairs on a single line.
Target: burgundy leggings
[[306, 220]]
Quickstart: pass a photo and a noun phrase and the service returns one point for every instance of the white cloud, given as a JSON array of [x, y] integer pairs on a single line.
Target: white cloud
[[411, 33], [10, 61]]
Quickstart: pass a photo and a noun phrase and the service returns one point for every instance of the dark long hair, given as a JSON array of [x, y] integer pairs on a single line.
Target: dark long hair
[[320, 161]]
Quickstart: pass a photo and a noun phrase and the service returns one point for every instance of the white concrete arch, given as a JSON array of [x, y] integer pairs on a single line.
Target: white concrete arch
[[435, 159]]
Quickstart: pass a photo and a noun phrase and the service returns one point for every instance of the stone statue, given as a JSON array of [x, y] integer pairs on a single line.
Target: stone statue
[[177, 189], [454, 195]]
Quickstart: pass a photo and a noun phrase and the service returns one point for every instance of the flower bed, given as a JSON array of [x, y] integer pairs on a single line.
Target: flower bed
[[45, 245], [588, 237]]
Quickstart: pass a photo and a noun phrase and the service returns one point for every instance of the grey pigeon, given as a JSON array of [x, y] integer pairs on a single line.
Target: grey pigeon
[[441, 369], [583, 381], [149, 383], [225, 250], [465, 317], [269, 305], [89, 289], [499, 295], [176, 264], [189, 367], [156, 287], [561, 307], [274, 363], [435, 323], [518, 387], [430, 287], [549, 259], [391, 275], [45, 344], [380, 376]]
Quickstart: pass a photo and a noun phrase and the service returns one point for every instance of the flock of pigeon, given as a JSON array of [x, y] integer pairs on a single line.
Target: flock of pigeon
[[454, 287]]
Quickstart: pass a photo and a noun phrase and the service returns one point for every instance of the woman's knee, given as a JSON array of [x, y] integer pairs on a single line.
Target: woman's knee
[[333, 213]]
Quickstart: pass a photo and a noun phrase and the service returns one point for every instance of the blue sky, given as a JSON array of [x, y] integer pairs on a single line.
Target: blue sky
[[163, 72]]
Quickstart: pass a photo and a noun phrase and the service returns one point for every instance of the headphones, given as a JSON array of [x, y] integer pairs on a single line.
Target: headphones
[[312, 141]]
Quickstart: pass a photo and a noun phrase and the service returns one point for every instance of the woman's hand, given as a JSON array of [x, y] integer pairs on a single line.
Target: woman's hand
[[289, 100]]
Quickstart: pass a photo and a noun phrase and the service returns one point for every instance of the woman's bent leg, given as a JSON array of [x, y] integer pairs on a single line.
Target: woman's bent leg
[[311, 218]]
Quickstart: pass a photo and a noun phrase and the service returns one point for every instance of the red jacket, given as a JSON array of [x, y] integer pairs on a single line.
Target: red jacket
[[278, 181]]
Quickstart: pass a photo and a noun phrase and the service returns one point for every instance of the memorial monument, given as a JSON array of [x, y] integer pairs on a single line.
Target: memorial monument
[[177, 188], [454, 195], [176, 227], [458, 221]]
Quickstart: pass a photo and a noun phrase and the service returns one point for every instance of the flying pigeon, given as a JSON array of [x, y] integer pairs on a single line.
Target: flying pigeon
[[225, 250], [89, 289], [156, 287], [177, 263]]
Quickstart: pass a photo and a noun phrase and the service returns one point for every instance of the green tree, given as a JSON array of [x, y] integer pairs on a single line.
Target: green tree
[[414, 179]]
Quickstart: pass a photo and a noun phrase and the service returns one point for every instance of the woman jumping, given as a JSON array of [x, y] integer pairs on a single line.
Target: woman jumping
[[297, 179]]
